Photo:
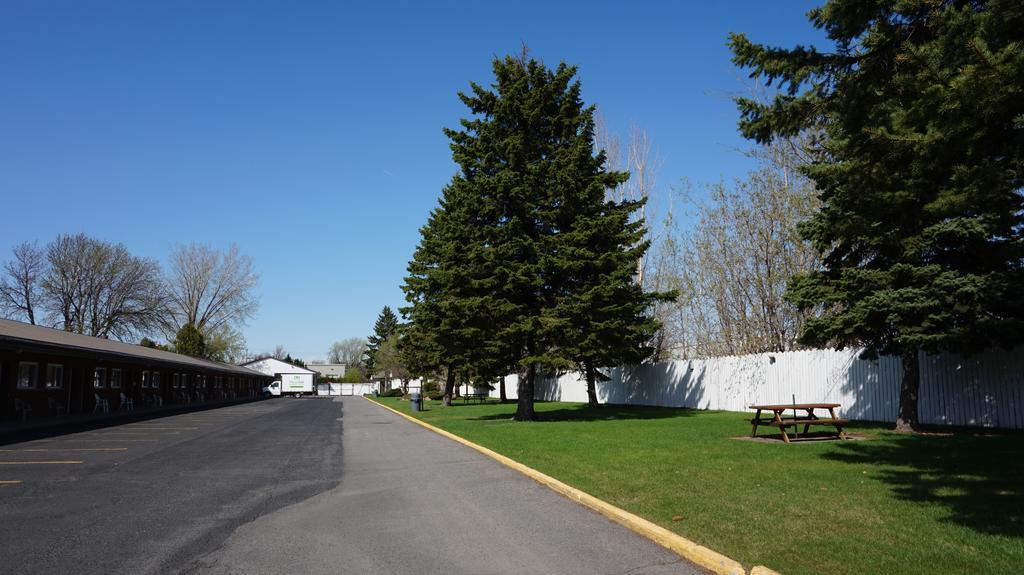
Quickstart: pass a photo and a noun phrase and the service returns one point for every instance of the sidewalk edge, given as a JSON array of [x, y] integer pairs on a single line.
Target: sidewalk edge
[[711, 560]]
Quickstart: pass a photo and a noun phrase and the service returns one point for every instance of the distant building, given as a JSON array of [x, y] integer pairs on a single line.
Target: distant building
[[328, 369], [47, 372], [276, 367]]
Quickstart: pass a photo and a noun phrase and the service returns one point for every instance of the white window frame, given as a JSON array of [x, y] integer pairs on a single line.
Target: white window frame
[[154, 379], [59, 383], [115, 378], [145, 379], [34, 383], [102, 372]]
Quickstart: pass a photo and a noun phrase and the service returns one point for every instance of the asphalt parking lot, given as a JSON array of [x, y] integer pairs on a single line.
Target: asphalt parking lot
[[293, 486], [146, 497]]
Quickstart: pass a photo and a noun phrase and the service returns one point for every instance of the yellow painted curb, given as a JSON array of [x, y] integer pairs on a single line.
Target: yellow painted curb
[[762, 570], [711, 560]]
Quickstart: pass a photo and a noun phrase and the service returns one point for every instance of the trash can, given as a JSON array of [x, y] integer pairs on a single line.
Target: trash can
[[416, 401], [376, 393]]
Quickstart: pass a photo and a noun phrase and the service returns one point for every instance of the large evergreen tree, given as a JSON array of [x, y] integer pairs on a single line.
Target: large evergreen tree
[[529, 152], [605, 313], [449, 288], [524, 265], [385, 327], [920, 172]]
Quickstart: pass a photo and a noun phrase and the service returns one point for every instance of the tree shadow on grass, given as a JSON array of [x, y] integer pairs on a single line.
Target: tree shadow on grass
[[601, 413], [978, 479]]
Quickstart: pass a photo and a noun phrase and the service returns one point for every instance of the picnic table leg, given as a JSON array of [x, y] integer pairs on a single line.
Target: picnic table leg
[[839, 427], [810, 415], [782, 426], [757, 419]]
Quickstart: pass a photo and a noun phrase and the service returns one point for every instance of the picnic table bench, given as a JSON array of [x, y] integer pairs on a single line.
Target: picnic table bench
[[782, 421], [467, 397]]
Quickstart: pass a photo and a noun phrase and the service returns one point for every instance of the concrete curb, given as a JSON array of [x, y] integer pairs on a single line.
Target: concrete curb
[[711, 560]]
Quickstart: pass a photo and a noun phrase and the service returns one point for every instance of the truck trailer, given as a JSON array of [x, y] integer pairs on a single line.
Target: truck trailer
[[289, 379], [293, 384]]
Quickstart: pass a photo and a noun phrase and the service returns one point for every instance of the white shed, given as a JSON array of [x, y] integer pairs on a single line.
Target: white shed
[[294, 379]]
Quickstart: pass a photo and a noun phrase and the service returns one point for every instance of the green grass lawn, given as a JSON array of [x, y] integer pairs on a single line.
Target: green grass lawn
[[891, 503]]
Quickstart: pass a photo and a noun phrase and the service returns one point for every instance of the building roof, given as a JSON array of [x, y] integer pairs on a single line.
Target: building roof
[[20, 334], [272, 366]]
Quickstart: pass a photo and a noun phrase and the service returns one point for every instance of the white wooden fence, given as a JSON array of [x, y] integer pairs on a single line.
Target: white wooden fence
[[341, 389], [986, 390]]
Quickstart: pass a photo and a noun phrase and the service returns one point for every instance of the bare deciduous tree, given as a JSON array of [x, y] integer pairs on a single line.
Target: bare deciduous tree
[[742, 252], [20, 294], [666, 273], [210, 289], [642, 162], [97, 288], [349, 351]]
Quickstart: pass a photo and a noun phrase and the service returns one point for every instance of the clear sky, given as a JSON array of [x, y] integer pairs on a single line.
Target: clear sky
[[309, 133]]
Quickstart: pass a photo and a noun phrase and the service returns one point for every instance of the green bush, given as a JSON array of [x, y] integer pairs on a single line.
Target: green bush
[[396, 392], [433, 395], [429, 386]]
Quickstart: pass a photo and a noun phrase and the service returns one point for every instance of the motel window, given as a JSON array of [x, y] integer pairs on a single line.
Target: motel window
[[28, 374], [99, 377], [115, 379], [155, 380], [54, 376], [176, 381], [145, 379]]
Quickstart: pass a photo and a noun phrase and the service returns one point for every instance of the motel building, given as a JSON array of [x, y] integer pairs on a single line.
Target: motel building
[[50, 373]]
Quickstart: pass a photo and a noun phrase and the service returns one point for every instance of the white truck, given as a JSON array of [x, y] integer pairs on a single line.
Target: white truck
[[293, 384]]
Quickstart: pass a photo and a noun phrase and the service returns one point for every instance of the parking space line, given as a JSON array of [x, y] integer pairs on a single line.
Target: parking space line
[[64, 449], [9, 481], [156, 428], [129, 433], [93, 439], [68, 462]]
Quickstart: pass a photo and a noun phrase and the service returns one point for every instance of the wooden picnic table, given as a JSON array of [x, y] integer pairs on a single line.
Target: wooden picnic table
[[782, 421], [478, 396]]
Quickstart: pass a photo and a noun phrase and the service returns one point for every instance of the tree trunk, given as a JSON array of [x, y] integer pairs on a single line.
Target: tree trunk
[[591, 386], [501, 388], [907, 419], [524, 408], [449, 386]]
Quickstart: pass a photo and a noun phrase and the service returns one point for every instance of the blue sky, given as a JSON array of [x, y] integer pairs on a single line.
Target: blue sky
[[309, 133]]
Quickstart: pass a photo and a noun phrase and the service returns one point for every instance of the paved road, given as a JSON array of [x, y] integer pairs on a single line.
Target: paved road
[[293, 486]]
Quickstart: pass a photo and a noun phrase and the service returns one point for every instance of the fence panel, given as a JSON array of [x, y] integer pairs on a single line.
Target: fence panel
[[986, 390]]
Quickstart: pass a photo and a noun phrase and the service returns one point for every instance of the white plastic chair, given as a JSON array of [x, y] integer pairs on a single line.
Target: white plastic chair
[[127, 403], [22, 407], [102, 405], [52, 406]]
